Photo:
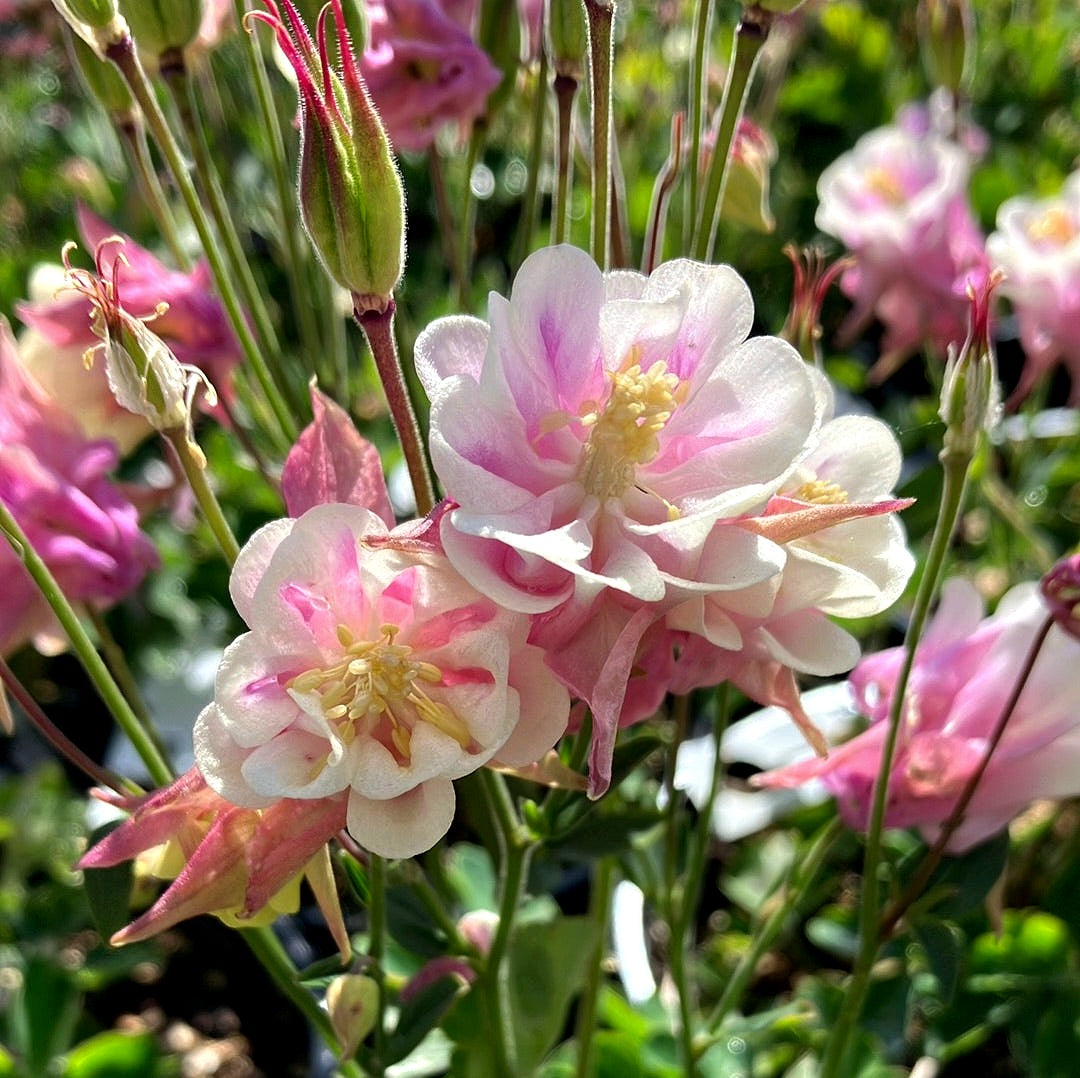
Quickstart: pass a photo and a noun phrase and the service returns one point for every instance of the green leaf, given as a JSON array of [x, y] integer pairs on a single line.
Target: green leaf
[[108, 890], [968, 879], [357, 876], [470, 873], [944, 945], [420, 1015], [113, 1055], [47, 1010]]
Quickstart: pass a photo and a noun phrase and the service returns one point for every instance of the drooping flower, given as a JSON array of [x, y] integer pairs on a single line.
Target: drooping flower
[[898, 201], [424, 69], [55, 483], [1061, 590], [192, 324], [371, 667], [965, 669], [1037, 244], [237, 863]]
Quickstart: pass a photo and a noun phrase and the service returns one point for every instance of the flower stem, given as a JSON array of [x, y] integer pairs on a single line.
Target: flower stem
[[123, 55], [455, 256], [599, 911], [566, 88], [666, 179], [955, 468], [750, 35], [934, 855], [600, 14], [377, 951], [468, 216], [157, 767], [536, 149], [195, 471], [58, 739], [699, 83], [378, 327]]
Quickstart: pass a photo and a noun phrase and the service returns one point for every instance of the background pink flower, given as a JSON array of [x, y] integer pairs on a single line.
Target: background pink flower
[[964, 671]]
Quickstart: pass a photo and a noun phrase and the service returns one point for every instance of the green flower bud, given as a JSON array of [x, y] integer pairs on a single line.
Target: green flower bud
[[161, 25], [946, 39], [101, 78], [568, 34], [352, 1001], [95, 14]]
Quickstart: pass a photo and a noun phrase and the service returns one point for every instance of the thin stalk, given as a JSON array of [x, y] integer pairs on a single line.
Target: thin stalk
[[566, 87], [600, 13], [750, 36], [378, 327], [177, 78], [666, 179], [468, 226], [934, 855], [58, 739], [444, 214], [699, 84], [133, 139], [588, 1005], [765, 935], [297, 257], [529, 201], [377, 951], [955, 468], [123, 54], [157, 767], [267, 948], [515, 850], [195, 471]]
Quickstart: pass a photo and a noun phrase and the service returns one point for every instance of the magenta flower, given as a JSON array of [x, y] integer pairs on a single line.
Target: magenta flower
[[55, 483], [373, 668], [898, 202], [424, 69], [1037, 244], [964, 671], [192, 323]]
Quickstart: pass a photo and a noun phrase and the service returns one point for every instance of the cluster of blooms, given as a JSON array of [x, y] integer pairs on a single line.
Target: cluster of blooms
[[898, 201], [964, 672]]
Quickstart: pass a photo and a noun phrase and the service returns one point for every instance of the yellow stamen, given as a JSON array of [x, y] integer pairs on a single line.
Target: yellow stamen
[[821, 492], [1056, 225]]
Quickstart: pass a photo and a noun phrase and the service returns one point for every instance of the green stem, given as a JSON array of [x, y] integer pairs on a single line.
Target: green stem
[[133, 139], [666, 179], [566, 87], [377, 951], [750, 36], [934, 855], [588, 1006], [765, 935], [267, 948], [529, 201], [955, 467], [157, 767], [600, 13], [378, 327], [699, 83], [195, 471], [468, 216], [444, 214], [123, 54]]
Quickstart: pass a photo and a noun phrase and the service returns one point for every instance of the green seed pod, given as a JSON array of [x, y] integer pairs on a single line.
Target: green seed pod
[[161, 25]]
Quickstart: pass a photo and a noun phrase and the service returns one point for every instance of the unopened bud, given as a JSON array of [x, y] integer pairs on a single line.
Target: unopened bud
[[104, 82], [970, 397], [478, 927], [946, 37], [351, 199], [98, 22], [568, 35], [352, 1001], [1061, 590], [161, 25], [746, 196]]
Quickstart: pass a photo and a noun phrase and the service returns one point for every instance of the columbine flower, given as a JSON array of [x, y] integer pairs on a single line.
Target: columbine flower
[[55, 484], [1061, 590], [186, 316], [898, 202], [372, 670], [238, 864], [964, 672], [1037, 244], [423, 68]]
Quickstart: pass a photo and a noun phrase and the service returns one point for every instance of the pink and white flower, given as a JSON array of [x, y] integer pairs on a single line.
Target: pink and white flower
[[1037, 244], [371, 667], [898, 201], [964, 672]]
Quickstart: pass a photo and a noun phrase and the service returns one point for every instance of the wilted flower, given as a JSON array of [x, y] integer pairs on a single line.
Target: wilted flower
[[898, 202], [54, 482], [186, 315], [1061, 590], [1037, 244], [965, 669], [373, 670], [424, 69]]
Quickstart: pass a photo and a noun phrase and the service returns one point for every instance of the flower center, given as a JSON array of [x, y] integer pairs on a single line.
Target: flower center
[[624, 432], [885, 185], [1055, 225], [379, 680], [821, 492]]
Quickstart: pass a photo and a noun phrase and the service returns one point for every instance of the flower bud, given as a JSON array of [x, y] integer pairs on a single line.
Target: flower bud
[[478, 928], [104, 82], [746, 197], [161, 25], [352, 1002], [351, 199], [970, 398], [98, 22], [946, 34], [568, 35], [1061, 590]]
